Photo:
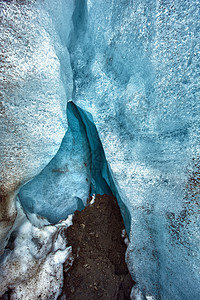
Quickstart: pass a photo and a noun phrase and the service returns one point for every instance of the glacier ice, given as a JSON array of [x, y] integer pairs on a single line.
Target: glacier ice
[[35, 87], [136, 70], [64, 184], [135, 67], [78, 170]]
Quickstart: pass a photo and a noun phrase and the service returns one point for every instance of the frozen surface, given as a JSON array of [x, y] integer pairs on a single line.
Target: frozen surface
[[35, 87], [78, 170], [34, 269], [136, 83], [64, 185], [136, 70]]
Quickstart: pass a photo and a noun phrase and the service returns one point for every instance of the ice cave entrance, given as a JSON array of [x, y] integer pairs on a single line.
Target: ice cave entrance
[[78, 170]]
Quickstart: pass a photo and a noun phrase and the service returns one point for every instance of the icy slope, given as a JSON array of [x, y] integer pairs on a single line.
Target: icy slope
[[136, 70]]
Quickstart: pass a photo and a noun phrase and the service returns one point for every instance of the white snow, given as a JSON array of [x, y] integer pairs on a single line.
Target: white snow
[[34, 269], [93, 198]]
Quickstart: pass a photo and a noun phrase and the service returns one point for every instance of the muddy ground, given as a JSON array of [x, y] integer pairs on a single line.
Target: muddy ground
[[99, 270]]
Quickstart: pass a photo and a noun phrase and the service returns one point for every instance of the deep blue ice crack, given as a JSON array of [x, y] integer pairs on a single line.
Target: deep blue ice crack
[[78, 170]]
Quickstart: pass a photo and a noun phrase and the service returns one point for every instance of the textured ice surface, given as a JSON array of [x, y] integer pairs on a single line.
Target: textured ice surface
[[102, 180], [136, 70], [78, 170], [64, 185], [35, 87], [34, 269]]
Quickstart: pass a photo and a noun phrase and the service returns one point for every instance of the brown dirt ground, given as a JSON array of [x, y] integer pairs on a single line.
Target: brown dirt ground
[[99, 270]]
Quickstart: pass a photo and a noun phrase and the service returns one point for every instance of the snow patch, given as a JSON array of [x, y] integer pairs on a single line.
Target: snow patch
[[93, 198], [34, 269], [136, 294]]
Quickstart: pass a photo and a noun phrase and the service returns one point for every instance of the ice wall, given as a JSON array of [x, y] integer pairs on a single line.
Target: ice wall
[[64, 184], [36, 82], [136, 70], [102, 179], [78, 170], [135, 67]]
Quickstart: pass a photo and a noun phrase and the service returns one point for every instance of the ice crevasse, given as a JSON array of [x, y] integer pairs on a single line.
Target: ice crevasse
[[131, 69]]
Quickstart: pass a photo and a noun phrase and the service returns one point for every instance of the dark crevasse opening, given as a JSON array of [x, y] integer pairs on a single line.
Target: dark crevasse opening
[[82, 52], [98, 162], [102, 179], [78, 170]]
